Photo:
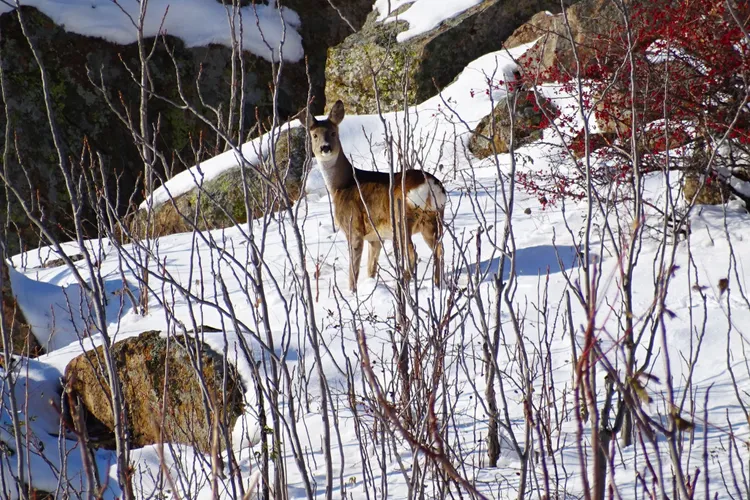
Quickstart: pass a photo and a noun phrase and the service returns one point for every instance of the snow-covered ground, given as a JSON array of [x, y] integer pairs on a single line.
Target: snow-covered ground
[[367, 461], [422, 15], [260, 28]]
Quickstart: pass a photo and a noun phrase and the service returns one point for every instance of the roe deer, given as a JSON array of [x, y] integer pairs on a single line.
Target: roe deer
[[362, 202]]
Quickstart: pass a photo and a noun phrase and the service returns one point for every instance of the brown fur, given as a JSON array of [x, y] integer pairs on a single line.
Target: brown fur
[[362, 205]]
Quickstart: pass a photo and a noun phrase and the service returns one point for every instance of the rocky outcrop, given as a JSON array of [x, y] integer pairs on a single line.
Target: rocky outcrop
[[13, 321], [529, 121], [421, 63], [705, 188], [220, 202], [149, 369], [325, 24], [552, 56], [86, 122], [712, 192]]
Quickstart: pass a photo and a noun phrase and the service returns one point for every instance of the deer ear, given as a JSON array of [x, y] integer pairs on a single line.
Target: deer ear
[[307, 118], [336, 115]]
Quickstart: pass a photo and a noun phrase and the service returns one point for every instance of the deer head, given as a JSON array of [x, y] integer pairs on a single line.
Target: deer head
[[324, 139], [324, 134]]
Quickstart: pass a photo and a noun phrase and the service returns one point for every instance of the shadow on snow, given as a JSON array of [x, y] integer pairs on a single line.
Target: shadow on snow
[[530, 261]]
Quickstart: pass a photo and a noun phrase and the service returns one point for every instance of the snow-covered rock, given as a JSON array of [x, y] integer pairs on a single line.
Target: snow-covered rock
[[423, 44]]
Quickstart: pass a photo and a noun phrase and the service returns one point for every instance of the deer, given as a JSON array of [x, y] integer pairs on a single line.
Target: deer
[[363, 207]]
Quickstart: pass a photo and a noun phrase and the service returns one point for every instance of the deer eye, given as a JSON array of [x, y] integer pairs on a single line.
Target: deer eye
[[315, 136]]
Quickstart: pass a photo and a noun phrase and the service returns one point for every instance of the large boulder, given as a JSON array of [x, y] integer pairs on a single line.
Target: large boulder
[[325, 24], [702, 191], [85, 120], [14, 322], [420, 63], [552, 57], [147, 372], [87, 124], [220, 202], [529, 121]]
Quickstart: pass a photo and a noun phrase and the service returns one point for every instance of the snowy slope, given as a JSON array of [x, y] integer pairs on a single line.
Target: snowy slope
[[546, 260], [436, 117], [196, 22], [422, 15]]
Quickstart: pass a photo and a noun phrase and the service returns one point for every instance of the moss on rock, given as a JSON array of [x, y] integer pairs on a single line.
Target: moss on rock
[[141, 364], [220, 202], [529, 121], [423, 64]]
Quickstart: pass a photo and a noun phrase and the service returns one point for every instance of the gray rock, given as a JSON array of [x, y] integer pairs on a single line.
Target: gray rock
[[86, 124], [140, 363], [220, 202], [528, 121], [13, 321], [427, 62]]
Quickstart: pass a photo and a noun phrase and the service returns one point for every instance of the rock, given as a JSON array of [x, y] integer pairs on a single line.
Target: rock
[[713, 192], [61, 262], [537, 27], [591, 23], [529, 122], [85, 120], [552, 55], [291, 156], [432, 59], [23, 340], [140, 363], [613, 120], [208, 207], [651, 140], [323, 27], [654, 137], [596, 142]]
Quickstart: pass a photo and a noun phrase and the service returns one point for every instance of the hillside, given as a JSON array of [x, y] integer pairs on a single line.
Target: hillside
[[590, 339]]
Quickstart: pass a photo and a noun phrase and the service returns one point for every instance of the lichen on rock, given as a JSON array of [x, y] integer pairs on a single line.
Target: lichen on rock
[[221, 202], [160, 389], [531, 113], [414, 70]]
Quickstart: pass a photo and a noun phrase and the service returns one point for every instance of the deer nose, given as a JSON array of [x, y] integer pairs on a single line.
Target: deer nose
[[325, 148]]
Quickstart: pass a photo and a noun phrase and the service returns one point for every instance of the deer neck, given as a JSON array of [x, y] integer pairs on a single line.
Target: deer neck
[[337, 172]]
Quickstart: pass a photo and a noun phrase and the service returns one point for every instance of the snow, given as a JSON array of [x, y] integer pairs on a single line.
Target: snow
[[196, 176], [437, 111], [422, 15], [196, 22], [546, 260], [60, 311]]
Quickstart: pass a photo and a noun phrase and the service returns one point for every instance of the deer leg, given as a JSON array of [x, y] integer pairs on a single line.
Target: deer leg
[[356, 243], [412, 253], [402, 240], [372, 257], [406, 249], [432, 234]]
